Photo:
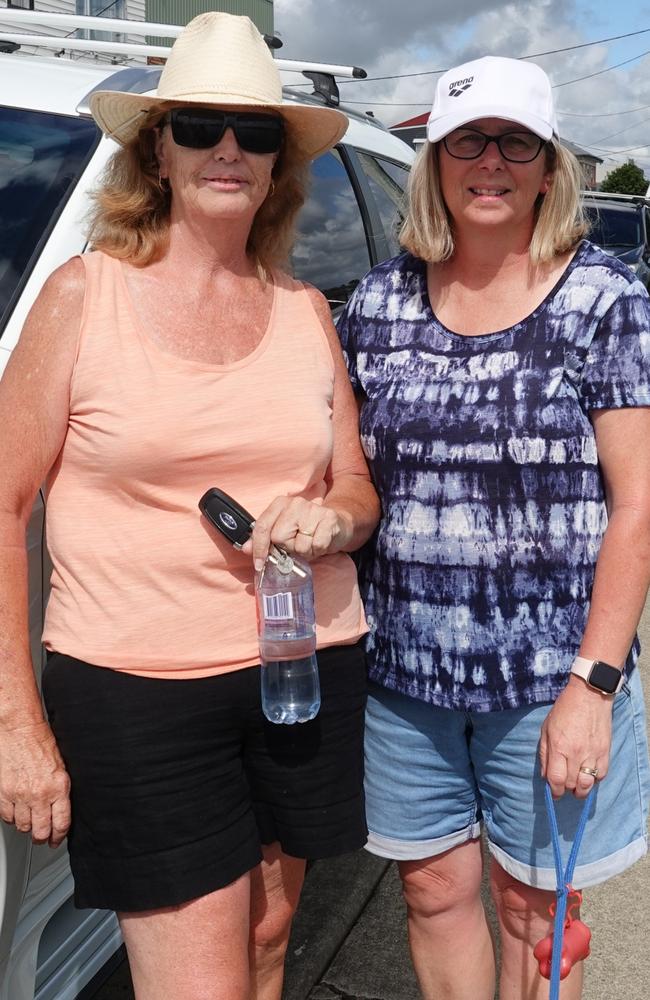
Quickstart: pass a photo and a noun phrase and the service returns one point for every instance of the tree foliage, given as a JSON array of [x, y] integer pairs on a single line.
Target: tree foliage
[[627, 179]]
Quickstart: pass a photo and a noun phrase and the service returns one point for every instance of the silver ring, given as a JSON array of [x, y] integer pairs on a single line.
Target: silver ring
[[301, 531], [593, 771]]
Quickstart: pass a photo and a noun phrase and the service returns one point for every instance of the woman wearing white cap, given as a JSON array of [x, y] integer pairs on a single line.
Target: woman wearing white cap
[[175, 357], [503, 366]]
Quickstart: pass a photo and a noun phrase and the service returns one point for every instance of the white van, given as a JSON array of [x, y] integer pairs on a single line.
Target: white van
[[51, 153]]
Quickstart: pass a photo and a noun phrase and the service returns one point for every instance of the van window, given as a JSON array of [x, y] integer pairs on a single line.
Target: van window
[[331, 251], [387, 182], [614, 227], [41, 158]]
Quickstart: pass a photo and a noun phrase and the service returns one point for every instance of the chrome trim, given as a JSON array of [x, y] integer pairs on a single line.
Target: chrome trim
[[133, 80]]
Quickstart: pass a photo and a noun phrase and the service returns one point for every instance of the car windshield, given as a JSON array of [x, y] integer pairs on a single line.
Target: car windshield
[[41, 158], [611, 226]]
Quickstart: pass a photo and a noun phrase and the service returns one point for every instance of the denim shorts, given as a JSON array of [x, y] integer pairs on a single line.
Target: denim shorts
[[434, 774]]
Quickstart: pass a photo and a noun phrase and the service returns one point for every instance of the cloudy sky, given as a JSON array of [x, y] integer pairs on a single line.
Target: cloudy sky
[[609, 113]]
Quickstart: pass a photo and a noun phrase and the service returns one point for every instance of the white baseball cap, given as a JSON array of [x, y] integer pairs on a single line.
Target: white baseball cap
[[493, 87]]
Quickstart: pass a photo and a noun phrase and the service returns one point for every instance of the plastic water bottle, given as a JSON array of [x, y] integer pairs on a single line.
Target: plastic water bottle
[[287, 638]]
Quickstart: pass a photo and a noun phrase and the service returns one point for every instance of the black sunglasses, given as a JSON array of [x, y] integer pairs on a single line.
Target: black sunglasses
[[199, 128], [469, 144]]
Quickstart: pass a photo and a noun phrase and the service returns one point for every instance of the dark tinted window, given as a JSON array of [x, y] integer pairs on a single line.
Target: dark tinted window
[[41, 157], [611, 226], [387, 181], [331, 251]]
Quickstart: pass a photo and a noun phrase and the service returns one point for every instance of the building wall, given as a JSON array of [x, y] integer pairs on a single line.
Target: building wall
[[182, 11], [132, 9], [158, 11], [589, 174]]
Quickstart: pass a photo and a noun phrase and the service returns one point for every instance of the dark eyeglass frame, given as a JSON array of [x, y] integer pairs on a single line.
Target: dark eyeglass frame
[[487, 139], [203, 128]]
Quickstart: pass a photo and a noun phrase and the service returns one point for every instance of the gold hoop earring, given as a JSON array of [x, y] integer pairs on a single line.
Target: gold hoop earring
[[163, 183], [271, 188]]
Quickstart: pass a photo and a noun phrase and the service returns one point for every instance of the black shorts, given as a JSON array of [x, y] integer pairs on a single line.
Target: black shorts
[[177, 784]]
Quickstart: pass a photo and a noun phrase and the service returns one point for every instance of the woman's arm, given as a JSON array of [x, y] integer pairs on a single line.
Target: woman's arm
[[34, 409], [577, 730], [350, 509], [350, 492]]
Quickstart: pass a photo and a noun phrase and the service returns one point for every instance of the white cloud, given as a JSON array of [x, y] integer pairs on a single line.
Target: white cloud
[[387, 38]]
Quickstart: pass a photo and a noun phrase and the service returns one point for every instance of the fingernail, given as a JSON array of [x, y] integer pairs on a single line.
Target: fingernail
[[259, 565]]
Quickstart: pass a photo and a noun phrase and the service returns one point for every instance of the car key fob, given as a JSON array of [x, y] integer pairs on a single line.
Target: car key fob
[[236, 524], [227, 516]]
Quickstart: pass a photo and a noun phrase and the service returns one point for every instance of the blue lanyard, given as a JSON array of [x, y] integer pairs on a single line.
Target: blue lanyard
[[563, 879]]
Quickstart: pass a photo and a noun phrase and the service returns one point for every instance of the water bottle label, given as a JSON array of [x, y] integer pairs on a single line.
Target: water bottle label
[[278, 607]]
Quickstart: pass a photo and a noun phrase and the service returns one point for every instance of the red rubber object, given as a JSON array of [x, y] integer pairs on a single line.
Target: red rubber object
[[575, 944], [575, 948]]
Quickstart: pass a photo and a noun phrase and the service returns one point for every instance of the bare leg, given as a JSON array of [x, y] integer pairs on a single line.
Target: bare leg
[[450, 941], [275, 890], [194, 951], [524, 920]]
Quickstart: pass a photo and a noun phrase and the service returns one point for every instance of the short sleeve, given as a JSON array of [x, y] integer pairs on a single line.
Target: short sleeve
[[346, 327], [616, 371]]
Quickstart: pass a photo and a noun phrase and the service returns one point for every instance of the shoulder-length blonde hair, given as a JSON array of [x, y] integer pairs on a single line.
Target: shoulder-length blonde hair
[[131, 212], [560, 223]]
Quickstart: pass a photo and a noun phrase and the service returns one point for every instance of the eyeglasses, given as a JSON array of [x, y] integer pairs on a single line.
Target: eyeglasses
[[202, 128], [469, 144]]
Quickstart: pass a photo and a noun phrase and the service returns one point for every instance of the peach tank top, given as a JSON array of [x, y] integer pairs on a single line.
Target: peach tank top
[[139, 582]]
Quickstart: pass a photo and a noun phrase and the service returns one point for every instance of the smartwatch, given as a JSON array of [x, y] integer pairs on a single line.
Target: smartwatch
[[598, 674]]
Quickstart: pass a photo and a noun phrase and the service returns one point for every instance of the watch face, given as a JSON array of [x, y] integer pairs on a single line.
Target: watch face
[[604, 677]]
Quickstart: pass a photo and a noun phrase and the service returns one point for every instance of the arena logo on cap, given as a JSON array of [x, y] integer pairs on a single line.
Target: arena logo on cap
[[460, 86]]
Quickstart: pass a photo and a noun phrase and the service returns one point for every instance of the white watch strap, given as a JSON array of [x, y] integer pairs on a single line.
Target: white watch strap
[[581, 666]]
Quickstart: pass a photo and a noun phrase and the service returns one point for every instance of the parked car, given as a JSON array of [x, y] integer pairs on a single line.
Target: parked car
[[51, 154], [620, 224]]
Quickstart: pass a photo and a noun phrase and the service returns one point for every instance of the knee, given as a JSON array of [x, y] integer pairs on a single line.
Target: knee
[[432, 888], [275, 890], [523, 911], [270, 928]]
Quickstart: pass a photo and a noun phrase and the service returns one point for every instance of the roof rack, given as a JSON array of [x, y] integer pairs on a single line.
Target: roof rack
[[634, 199], [72, 22], [50, 19]]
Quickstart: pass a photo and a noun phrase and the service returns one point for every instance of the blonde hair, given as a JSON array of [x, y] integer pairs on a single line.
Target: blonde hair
[[560, 223], [131, 212]]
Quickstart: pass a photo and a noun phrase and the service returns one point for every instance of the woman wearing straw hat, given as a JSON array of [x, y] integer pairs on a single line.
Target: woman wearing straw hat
[[175, 356], [503, 365]]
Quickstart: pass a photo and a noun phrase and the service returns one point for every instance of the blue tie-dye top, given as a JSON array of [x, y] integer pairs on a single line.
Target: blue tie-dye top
[[478, 581]]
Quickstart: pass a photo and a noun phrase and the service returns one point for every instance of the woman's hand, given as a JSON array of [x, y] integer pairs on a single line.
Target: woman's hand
[[576, 733], [303, 528], [34, 784]]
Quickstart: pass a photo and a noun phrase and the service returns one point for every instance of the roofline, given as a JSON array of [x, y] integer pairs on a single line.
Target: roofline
[[411, 122]]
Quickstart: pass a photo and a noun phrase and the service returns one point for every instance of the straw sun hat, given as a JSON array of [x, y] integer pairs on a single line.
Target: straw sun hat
[[219, 59]]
